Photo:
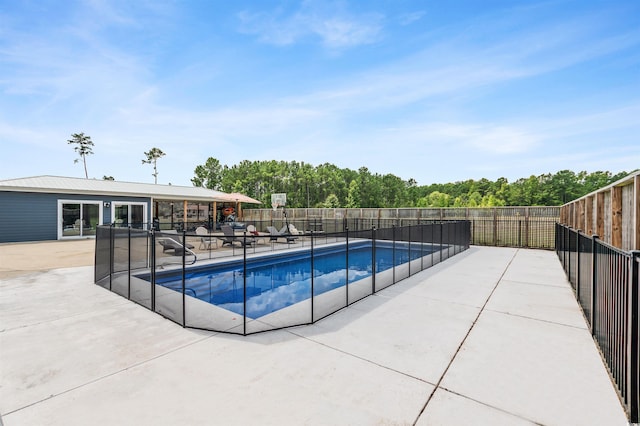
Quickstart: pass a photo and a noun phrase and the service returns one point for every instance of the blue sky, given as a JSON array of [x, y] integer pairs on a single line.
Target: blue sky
[[437, 91]]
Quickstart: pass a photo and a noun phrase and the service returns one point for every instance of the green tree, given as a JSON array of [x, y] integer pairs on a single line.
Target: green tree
[[309, 186], [475, 199], [331, 202], [563, 187], [83, 148], [353, 198], [208, 175], [152, 158], [393, 191], [438, 199]]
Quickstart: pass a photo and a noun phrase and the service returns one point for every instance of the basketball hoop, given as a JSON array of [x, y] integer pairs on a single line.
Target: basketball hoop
[[278, 200]]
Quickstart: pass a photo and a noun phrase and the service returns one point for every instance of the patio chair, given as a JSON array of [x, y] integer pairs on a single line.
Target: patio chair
[[274, 234], [206, 240], [293, 230], [169, 244], [257, 236], [230, 237]]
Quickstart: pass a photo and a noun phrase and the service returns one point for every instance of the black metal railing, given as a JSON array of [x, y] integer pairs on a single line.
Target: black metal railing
[[529, 227], [606, 282], [515, 231], [500, 231], [244, 287]]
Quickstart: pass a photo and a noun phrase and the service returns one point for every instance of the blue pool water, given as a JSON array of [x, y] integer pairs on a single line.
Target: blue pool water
[[277, 281]]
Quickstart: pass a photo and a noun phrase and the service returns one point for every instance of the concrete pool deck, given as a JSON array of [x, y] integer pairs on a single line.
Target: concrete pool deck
[[491, 336]]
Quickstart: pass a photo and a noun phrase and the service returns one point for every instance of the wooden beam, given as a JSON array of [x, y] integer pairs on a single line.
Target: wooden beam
[[184, 213], [588, 206], [580, 224], [616, 216], [600, 214]]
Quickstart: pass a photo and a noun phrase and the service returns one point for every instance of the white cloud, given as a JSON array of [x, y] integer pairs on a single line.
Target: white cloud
[[410, 18], [343, 32], [336, 28]]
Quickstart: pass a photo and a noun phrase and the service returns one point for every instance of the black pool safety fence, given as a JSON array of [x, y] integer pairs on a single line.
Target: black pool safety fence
[[606, 282], [243, 283]]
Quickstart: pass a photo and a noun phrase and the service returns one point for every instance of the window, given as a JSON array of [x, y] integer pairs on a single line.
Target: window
[[78, 218]]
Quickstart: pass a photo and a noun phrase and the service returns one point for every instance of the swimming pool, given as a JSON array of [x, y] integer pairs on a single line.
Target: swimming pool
[[274, 282]]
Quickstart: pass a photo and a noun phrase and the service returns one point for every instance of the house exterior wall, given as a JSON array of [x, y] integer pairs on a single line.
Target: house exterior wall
[[33, 216]]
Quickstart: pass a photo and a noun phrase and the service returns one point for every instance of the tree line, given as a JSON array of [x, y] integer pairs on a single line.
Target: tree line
[[328, 186]]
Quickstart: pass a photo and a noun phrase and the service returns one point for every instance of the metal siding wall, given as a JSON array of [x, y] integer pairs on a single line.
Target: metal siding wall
[[32, 216], [28, 216]]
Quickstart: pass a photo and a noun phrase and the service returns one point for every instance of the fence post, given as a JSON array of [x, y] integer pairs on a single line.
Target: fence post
[[495, 226], [153, 270], [578, 265], [441, 232], [184, 276], [373, 260], [565, 229], [409, 250], [568, 251], [346, 284], [393, 252], [519, 232], [422, 246], [312, 281], [111, 249], [244, 284], [594, 283], [633, 371], [129, 263], [526, 227], [448, 239]]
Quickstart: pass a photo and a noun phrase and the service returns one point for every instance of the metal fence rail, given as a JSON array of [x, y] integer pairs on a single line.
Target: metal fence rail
[[530, 227], [196, 284], [606, 281]]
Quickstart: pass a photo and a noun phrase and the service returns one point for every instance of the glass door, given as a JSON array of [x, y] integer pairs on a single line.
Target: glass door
[[137, 216], [121, 215], [78, 218], [90, 219], [125, 214], [71, 222]]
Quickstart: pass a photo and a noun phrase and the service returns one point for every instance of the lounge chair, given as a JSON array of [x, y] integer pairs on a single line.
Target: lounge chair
[[206, 240], [274, 234], [230, 237], [170, 244]]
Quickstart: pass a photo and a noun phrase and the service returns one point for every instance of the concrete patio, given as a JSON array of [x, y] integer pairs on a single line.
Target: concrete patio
[[491, 336]]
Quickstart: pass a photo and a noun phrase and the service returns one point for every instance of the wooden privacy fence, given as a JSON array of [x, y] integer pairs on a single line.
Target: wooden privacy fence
[[612, 213], [531, 227]]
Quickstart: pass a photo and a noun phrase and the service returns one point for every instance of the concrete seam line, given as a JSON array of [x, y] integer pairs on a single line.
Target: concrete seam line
[[491, 406], [444, 373], [538, 319], [362, 359], [53, 320], [108, 375]]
